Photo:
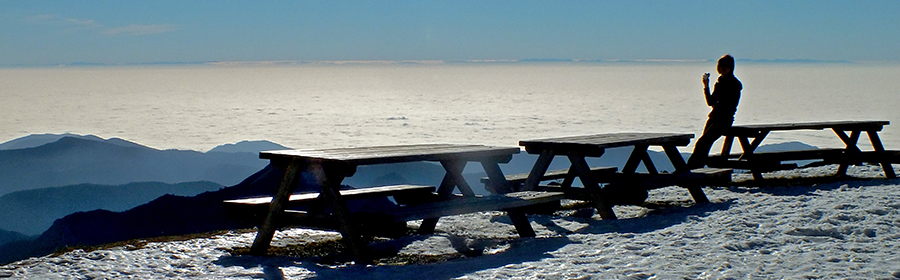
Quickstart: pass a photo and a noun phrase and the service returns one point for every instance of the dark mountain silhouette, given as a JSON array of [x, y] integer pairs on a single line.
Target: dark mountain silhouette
[[35, 140], [11, 236], [32, 212], [71, 161], [166, 215], [179, 215], [248, 147]]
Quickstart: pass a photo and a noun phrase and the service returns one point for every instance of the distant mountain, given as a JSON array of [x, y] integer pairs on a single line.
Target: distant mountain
[[167, 215], [11, 236], [786, 146], [36, 140], [85, 160], [33, 211], [248, 147]]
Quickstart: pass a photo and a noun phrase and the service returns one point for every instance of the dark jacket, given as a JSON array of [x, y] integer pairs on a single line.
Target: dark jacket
[[724, 98]]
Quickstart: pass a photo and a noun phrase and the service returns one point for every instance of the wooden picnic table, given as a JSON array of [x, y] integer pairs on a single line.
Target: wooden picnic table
[[330, 166], [752, 135], [577, 148]]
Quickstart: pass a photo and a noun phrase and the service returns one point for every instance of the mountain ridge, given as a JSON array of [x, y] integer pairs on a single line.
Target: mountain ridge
[[74, 160], [31, 212]]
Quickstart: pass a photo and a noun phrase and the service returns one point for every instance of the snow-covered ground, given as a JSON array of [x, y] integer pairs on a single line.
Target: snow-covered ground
[[848, 229]]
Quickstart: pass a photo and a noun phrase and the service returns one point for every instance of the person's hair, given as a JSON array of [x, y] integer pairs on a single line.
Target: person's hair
[[727, 61]]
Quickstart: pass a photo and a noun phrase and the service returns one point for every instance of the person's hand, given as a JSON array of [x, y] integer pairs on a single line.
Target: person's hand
[[706, 80]]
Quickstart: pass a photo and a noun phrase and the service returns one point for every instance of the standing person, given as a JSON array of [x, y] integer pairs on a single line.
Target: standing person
[[724, 101]]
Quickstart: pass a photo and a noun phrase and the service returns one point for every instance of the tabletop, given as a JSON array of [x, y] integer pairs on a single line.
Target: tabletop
[[841, 125], [398, 153], [598, 142]]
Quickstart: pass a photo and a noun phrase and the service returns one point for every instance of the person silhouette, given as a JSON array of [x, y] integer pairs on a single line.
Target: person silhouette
[[724, 101]]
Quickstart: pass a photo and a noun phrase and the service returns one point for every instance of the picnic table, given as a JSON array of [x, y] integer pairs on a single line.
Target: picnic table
[[330, 166], [577, 148], [751, 136]]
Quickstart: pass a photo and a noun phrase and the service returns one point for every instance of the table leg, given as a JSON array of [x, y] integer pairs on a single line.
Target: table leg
[[453, 178], [637, 156], [648, 163], [681, 166], [748, 147], [538, 171], [726, 147], [570, 178], [267, 231], [758, 140], [850, 142], [675, 158], [495, 175], [604, 208], [520, 221], [455, 169], [330, 183], [876, 144]]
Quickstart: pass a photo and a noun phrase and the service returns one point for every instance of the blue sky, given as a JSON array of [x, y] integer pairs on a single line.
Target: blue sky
[[122, 32]]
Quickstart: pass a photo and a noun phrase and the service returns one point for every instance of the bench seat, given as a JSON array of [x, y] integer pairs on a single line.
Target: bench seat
[[374, 221], [465, 205], [757, 165], [363, 193], [519, 179], [634, 184], [889, 156], [824, 154]]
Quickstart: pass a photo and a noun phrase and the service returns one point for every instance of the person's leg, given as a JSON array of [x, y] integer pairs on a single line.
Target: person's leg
[[711, 132]]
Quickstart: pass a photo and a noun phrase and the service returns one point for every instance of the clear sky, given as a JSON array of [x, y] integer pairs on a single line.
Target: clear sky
[[121, 32]]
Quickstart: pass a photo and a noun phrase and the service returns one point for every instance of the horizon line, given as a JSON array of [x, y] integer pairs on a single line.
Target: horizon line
[[426, 62]]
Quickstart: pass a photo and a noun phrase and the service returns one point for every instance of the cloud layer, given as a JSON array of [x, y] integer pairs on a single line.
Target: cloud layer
[[88, 24]]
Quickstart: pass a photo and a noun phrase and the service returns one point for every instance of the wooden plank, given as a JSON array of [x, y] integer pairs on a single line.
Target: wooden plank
[[539, 168], [713, 171], [395, 154], [885, 165], [797, 155], [589, 145], [756, 165], [886, 156], [675, 157], [454, 170], [582, 194], [699, 176], [604, 208], [267, 231], [751, 129], [552, 175], [495, 175], [691, 180], [362, 193], [467, 205]]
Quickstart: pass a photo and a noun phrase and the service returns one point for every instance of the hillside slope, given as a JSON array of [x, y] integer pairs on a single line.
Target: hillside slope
[[71, 161], [31, 212]]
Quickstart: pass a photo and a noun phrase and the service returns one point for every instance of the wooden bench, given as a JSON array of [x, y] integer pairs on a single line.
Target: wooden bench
[[363, 193], [888, 156], [629, 185], [516, 180], [330, 166], [253, 210], [376, 222], [577, 148], [758, 162], [454, 206]]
